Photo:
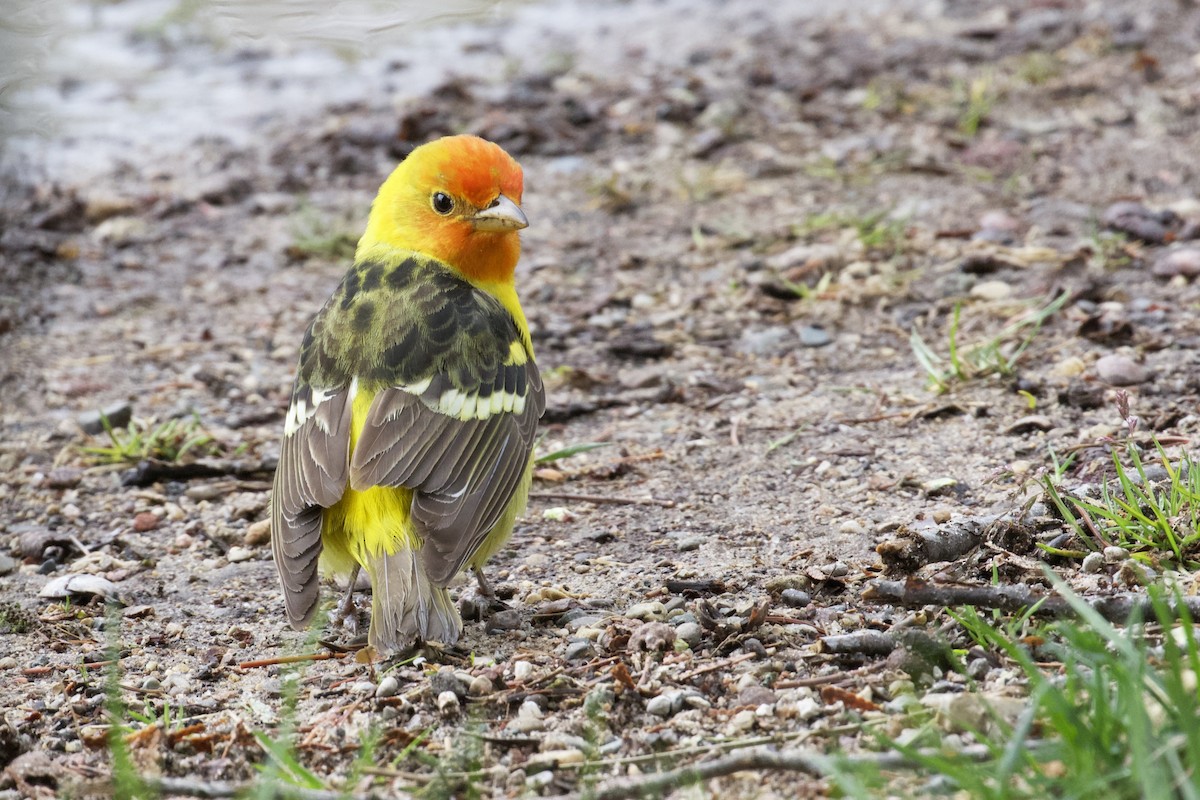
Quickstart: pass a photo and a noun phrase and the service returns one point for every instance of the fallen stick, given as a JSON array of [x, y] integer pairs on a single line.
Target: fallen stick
[[152, 471], [909, 550], [601, 498], [264, 790], [1114, 608], [792, 759], [303, 657]]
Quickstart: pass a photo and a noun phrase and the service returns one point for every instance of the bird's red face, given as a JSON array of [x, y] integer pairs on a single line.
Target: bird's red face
[[456, 199]]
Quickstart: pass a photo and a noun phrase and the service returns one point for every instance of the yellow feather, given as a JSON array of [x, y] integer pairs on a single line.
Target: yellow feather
[[365, 524]]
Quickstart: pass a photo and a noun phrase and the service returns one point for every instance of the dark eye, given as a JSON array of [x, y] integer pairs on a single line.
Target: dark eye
[[442, 203]]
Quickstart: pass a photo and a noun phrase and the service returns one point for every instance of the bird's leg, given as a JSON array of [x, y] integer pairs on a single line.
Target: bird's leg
[[486, 591], [346, 613]]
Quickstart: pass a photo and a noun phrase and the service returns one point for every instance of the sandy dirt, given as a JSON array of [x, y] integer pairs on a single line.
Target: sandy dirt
[[732, 240]]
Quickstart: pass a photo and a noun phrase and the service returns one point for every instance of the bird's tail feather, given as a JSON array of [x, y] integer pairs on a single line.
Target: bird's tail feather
[[406, 605]]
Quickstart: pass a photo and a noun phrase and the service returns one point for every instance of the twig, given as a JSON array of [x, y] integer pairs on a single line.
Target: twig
[[1114, 608], [303, 657], [152, 471], [600, 498], [656, 784], [192, 787], [716, 665], [792, 759], [910, 549]]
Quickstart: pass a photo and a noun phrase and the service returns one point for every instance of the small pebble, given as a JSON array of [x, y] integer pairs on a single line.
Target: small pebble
[[1114, 554], [145, 522], [237, 554], [814, 336], [448, 705], [529, 718], [388, 687], [978, 668], [992, 290], [258, 533], [445, 680], [795, 598], [689, 544], [506, 620], [691, 633], [665, 705], [1092, 563], [480, 685], [653, 611], [1119, 370], [522, 670], [1185, 262], [756, 695], [580, 650], [118, 415]]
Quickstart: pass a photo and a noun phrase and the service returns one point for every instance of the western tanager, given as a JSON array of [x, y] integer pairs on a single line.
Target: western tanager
[[407, 449]]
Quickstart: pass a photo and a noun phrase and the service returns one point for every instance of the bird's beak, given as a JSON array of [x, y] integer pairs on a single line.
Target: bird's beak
[[502, 215]]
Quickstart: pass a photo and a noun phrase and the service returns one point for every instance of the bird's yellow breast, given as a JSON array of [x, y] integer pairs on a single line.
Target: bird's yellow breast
[[367, 523]]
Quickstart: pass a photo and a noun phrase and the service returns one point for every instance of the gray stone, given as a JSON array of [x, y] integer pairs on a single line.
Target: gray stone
[[580, 650], [795, 598], [1119, 370], [813, 336], [691, 633], [118, 415]]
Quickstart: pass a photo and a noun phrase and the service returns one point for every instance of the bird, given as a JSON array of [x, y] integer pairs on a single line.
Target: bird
[[408, 443]]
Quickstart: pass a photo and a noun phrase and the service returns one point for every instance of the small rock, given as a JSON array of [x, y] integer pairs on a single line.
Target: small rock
[[999, 221], [653, 637], [480, 685], [689, 544], [691, 633], [992, 290], [649, 612], [529, 718], [1139, 222], [1033, 422], [667, 704], [795, 598], [120, 231], [549, 759], [1115, 555], [506, 620], [63, 478], [446, 680], [1092, 563], [258, 533], [755, 695], [447, 704], [77, 584], [388, 687], [742, 721], [1119, 370], [145, 522], [1185, 262], [8, 564], [814, 336], [764, 342], [522, 670], [238, 554], [580, 650], [979, 668], [118, 415]]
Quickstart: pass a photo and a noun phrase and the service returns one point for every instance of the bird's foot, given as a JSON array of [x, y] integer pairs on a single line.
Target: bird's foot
[[486, 594]]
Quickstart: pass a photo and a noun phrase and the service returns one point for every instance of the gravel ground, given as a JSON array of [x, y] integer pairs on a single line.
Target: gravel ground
[[733, 238]]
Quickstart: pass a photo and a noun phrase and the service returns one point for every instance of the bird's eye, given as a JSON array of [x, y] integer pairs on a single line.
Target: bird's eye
[[442, 203]]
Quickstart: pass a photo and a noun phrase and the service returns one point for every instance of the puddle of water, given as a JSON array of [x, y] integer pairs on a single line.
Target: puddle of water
[[87, 85], [84, 85]]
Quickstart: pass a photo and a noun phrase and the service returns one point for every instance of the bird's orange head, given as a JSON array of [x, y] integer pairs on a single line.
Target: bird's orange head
[[456, 199]]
